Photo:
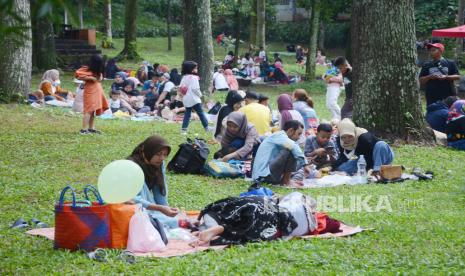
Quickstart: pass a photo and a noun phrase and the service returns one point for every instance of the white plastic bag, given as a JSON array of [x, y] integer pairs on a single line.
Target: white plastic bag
[[143, 237]]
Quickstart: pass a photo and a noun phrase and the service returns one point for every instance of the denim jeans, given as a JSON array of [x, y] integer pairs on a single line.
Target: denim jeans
[[460, 144], [187, 116], [382, 155]]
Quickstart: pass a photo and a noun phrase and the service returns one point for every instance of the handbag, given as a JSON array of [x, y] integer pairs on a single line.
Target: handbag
[[120, 215], [81, 226]]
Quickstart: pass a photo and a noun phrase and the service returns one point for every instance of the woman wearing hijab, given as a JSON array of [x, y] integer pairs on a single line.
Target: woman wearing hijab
[[231, 80], [118, 84], [150, 155], [233, 103], [50, 87], [239, 139], [455, 126], [279, 74], [355, 141], [287, 112]]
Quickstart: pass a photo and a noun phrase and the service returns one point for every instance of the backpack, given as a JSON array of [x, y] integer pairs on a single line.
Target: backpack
[[190, 158]]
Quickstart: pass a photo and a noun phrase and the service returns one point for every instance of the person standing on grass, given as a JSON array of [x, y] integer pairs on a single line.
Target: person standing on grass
[[346, 70], [438, 75], [190, 88], [95, 102]]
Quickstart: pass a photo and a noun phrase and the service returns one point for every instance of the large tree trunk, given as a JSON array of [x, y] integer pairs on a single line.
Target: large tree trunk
[[253, 23], [237, 35], [107, 41], [188, 21], [168, 24], [386, 97], [198, 44], [314, 26], [459, 48], [44, 56], [130, 32], [261, 14], [16, 54]]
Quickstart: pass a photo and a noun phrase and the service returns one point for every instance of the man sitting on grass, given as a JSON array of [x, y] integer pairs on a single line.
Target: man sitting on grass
[[279, 156]]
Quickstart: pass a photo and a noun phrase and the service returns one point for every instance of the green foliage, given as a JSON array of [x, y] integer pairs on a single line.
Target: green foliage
[[434, 14]]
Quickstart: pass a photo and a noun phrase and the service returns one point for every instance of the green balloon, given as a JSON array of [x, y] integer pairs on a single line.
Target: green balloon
[[120, 181]]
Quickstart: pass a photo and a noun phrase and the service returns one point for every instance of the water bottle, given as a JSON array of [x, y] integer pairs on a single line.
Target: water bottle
[[362, 170]]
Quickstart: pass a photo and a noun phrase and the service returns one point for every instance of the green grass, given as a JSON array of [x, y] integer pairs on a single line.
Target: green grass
[[41, 152]]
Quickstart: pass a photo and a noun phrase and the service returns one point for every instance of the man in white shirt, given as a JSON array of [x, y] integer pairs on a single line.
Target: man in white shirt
[[219, 81]]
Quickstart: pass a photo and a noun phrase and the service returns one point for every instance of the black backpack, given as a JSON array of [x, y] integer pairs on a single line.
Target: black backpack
[[190, 158]]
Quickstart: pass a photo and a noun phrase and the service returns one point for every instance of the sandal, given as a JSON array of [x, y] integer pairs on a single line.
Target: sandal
[[19, 224], [128, 257], [99, 255], [38, 224]]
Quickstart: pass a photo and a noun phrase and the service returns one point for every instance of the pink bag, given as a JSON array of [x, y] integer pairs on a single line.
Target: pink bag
[[143, 237]]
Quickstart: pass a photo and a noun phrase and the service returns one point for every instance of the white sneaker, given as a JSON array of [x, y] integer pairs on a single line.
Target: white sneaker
[[183, 131]]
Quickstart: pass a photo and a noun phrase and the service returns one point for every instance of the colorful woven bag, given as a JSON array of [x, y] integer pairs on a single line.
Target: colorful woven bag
[[81, 226]]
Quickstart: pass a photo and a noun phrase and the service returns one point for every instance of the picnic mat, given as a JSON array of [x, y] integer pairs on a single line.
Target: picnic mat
[[180, 248], [173, 249]]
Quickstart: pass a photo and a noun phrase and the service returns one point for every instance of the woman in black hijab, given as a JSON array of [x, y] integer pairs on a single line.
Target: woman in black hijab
[[233, 103], [150, 156]]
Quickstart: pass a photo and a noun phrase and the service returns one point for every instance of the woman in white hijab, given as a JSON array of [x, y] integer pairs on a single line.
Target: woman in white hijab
[[355, 141]]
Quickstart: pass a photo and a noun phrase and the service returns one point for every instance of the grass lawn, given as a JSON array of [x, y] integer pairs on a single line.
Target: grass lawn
[[41, 152]]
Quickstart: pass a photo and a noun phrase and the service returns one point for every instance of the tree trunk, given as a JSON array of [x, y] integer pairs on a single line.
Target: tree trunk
[[198, 44], [386, 97], [261, 4], [459, 48], [80, 14], [321, 37], [107, 41], [44, 56], [253, 23], [168, 24], [237, 35], [130, 32], [314, 26], [16, 54]]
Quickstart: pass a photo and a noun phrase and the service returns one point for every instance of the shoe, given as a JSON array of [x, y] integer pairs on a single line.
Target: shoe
[[38, 224], [184, 132], [19, 224], [84, 132], [209, 129], [94, 131]]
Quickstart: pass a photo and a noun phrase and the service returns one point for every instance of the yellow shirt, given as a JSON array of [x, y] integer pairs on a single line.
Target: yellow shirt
[[259, 115]]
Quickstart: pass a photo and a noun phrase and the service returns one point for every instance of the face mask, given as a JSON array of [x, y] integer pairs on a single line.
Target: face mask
[[56, 83]]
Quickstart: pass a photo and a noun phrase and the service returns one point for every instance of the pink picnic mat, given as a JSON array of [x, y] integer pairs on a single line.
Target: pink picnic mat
[[173, 249], [180, 248]]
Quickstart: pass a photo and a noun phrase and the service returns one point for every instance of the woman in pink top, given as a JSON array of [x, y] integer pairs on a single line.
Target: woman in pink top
[[231, 80]]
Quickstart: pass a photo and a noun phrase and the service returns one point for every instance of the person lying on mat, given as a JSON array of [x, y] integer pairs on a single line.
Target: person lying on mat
[[238, 220], [150, 156], [239, 140], [280, 156], [355, 141]]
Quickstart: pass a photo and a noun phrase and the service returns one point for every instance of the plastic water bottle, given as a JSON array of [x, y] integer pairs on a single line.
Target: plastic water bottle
[[362, 170]]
